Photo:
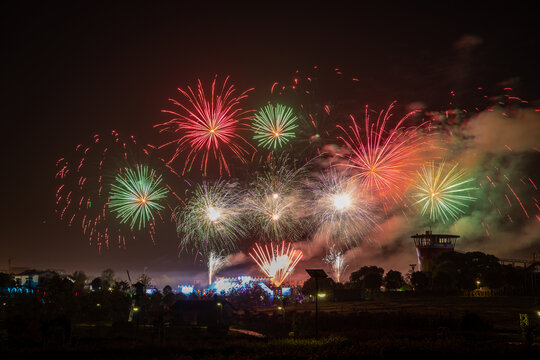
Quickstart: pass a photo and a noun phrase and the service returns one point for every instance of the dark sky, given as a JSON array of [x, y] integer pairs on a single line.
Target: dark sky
[[73, 70]]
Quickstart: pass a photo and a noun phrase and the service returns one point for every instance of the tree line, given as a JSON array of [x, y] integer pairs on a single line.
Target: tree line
[[451, 272]]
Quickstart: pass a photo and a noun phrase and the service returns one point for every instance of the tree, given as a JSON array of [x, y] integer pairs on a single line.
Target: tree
[[419, 280], [167, 290], [7, 280], [326, 285], [145, 280], [368, 277], [107, 278], [393, 280], [461, 271], [373, 281], [122, 286], [79, 280], [169, 298], [96, 284]]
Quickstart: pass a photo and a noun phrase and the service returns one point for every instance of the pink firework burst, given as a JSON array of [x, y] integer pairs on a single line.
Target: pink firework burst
[[208, 124], [385, 160]]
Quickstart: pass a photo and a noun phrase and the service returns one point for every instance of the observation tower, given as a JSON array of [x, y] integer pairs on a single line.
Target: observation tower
[[429, 245]]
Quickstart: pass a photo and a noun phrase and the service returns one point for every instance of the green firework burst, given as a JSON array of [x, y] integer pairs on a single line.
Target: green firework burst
[[212, 218], [443, 191], [274, 126], [136, 194]]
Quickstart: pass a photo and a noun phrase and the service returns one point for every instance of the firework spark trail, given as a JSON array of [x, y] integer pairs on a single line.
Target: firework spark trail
[[336, 260], [316, 98], [385, 160], [274, 126], [215, 262], [212, 217], [277, 263], [443, 191], [518, 199], [209, 124], [136, 195]]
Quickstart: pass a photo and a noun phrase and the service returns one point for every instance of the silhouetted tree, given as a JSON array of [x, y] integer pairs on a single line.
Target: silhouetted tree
[[326, 285], [79, 280], [419, 280], [7, 280], [107, 278], [460, 271], [96, 284], [122, 286], [393, 280], [145, 280], [169, 298], [368, 277], [373, 281], [167, 290]]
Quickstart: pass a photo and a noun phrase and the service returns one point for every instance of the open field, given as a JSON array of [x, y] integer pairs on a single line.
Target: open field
[[395, 326], [503, 312]]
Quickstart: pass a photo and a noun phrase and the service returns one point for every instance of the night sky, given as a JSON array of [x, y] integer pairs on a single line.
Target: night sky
[[72, 71]]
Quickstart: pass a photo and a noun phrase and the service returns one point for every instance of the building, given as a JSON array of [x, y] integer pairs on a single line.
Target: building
[[430, 245], [31, 279]]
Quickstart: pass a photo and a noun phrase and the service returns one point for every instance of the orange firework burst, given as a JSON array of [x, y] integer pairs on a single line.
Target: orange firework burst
[[277, 263], [208, 124]]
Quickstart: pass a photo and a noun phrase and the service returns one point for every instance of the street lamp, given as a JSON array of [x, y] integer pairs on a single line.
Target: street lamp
[[317, 274]]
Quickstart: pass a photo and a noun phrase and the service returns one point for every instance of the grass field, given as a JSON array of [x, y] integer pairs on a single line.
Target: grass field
[[503, 312], [380, 328]]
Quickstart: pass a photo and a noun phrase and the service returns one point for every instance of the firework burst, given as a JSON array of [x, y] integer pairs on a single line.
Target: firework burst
[[443, 191], [384, 160], [211, 219], [276, 262], [341, 209], [274, 126], [136, 195], [273, 201], [84, 184], [207, 125]]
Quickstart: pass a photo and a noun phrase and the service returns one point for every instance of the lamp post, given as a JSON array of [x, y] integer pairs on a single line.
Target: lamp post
[[317, 274]]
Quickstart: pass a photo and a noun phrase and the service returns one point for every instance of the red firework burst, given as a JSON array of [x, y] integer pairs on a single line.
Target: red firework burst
[[208, 124], [385, 160]]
